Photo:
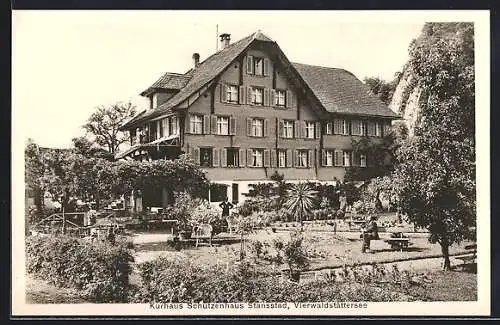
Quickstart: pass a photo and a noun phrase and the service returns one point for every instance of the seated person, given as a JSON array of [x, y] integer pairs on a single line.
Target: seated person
[[369, 232]]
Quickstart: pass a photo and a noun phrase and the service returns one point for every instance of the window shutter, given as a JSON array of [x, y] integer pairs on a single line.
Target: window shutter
[[303, 129], [267, 158], [274, 158], [250, 66], [196, 155], [323, 158], [232, 125], [289, 158], [355, 159], [266, 128], [249, 126], [280, 128], [288, 99], [296, 158], [249, 157], [249, 95], [206, 124], [223, 157], [213, 124], [337, 126], [215, 157], [266, 67], [371, 128], [242, 95], [317, 130], [338, 158], [223, 92], [242, 160], [296, 129], [266, 97], [310, 155], [273, 98]]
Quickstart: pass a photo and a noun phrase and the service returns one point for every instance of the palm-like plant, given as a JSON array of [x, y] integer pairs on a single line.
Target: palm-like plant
[[299, 201]]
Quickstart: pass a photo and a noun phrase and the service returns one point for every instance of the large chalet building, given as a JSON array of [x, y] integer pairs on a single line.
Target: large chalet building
[[246, 111]]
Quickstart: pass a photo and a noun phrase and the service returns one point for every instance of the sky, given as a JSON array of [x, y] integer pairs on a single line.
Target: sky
[[66, 63]]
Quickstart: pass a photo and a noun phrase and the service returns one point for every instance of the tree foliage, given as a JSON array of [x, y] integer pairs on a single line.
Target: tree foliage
[[105, 122], [300, 200], [436, 176], [381, 88]]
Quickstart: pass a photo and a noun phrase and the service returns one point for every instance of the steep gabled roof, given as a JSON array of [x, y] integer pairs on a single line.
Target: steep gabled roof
[[169, 80], [205, 72], [339, 91]]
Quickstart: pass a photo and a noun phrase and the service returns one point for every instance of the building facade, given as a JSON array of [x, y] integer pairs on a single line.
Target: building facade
[[246, 112]]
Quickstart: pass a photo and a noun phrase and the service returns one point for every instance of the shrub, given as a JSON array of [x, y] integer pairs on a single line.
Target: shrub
[[178, 280], [100, 271]]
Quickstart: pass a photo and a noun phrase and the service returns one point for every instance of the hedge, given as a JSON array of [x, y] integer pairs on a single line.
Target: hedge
[[176, 280], [100, 271]]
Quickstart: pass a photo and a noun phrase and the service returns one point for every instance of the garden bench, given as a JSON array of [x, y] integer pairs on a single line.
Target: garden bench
[[470, 258], [202, 232]]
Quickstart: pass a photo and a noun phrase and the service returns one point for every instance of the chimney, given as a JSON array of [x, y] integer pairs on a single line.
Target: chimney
[[225, 39], [196, 59]]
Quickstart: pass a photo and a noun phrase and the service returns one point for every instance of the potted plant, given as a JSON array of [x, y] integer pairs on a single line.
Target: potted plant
[[293, 255]]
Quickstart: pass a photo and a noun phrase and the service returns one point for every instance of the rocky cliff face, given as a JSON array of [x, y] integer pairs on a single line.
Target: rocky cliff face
[[406, 100]]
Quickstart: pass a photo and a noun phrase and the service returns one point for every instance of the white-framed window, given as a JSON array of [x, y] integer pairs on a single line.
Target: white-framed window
[[232, 157], [378, 129], [232, 93], [257, 157], [287, 129], [257, 127], [309, 130], [329, 128], [280, 99], [196, 124], [347, 159], [345, 127], [174, 125], [281, 158], [302, 158], [362, 160], [257, 96], [329, 158], [222, 125], [258, 66]]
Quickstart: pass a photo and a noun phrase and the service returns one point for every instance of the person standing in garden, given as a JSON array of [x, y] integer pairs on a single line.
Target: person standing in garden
[[369, 232], [226, 206]]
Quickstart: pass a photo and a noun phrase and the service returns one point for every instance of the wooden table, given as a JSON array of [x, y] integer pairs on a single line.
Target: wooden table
[[398, 242]]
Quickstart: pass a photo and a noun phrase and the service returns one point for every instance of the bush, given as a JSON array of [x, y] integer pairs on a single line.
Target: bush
[[100, 271], [177, 280]]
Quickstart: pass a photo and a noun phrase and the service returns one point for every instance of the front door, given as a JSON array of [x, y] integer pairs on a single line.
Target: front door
[[235, 193]]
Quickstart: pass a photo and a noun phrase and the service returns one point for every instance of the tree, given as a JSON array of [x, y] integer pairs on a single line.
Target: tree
[[104, 125], [300, 201], [381, 88], [436, 177], [87, 148], [34, 169]]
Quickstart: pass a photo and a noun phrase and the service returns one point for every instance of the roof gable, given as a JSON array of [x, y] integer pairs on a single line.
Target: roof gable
[[205, 72], [169, 80]]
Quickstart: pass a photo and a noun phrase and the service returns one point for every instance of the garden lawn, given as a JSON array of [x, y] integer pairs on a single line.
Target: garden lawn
[[448, 286], [40, 292], [325, 249]]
